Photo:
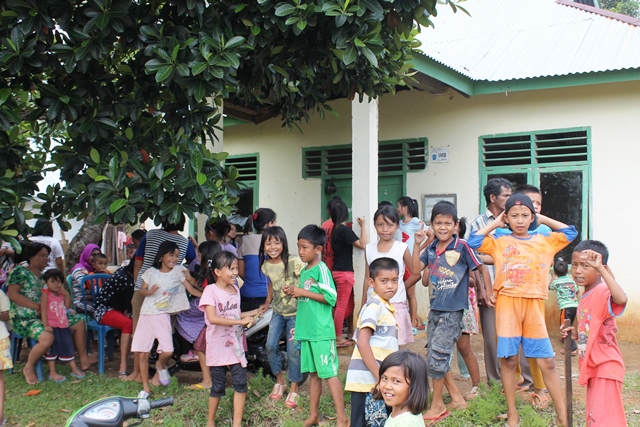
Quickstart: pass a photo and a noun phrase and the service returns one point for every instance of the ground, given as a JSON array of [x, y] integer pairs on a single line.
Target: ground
[[56, 402]]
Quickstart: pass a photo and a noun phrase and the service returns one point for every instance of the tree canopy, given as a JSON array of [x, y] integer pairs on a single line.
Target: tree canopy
[[120, 95]]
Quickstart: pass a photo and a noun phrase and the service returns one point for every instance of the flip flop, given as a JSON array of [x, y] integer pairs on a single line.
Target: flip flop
[[539, 402], [164, 376], [347, 343], [121, 375], [433, 421], [197, 387], [59, 380], [78, 376]]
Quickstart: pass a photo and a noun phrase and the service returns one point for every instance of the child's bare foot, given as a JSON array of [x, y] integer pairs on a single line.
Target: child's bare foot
[[343, 422], [30, 375], [455, 405], [154, 381], [435, 413], [132, 377], [312, 421], [91, 359], [56, 377]]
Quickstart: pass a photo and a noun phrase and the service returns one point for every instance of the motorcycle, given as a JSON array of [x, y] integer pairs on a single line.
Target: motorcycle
[[114, 411]]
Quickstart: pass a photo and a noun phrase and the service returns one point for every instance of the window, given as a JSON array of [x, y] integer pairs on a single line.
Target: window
[[247, 166], [556, 161]]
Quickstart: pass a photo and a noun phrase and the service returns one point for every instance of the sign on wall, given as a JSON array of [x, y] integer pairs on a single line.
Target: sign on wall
[[440, 154], [429, 200]]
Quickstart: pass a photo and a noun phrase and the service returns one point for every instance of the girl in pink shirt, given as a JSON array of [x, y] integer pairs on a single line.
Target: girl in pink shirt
[[225, 335]]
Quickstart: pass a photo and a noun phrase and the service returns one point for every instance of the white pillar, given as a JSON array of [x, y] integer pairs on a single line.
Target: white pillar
[[364, 143]]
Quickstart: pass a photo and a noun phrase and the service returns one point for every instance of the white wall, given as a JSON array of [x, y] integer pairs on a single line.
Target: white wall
[[611, 110]]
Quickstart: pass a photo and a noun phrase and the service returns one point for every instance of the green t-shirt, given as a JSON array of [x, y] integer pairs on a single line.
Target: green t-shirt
[[566, 292], [282, 303], [314, 320], [406, 419]]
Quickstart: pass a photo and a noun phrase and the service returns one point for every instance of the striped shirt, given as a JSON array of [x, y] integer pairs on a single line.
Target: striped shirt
[[148, 249], [376, 314]]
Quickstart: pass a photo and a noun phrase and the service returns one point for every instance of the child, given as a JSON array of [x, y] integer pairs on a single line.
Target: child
[[5, 351], [600, 360], [376, 337], [225, 335], [522, 262], [386, 222], [54, 303], [567, 296], [449, 261], [409, 225], [315, 330], [402, 387], [99, 262], [282, 270], [164, 295]]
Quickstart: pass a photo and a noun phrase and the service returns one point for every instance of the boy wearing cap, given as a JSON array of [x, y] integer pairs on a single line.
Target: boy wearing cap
[[522, 261]]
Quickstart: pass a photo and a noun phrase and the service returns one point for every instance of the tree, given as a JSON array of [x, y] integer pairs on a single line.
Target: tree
[[626, 7], [134, 87]]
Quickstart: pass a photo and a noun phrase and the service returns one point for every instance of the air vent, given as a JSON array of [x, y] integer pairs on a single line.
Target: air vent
[[247, 167]]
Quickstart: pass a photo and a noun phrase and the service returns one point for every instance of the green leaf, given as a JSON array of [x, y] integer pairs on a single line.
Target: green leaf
[[126, 192], [284, 9], [92, 173], [198, 67], [159, 170], [201, 178], [95, 156], [101, 178], [196, 160], [164, 73], [235, 41], [117, 204], [350, 55], [370, 56]]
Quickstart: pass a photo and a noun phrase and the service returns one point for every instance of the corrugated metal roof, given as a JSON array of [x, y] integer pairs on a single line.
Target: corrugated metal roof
[[519, 39]]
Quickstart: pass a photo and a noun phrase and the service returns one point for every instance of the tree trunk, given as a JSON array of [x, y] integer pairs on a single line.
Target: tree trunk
[[89, 233]]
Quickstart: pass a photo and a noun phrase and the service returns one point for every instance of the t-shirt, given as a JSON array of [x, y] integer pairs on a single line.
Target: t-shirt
[[148, 249], [410, 228], [378, 315], [522, 264], [171, 297], [397, 252], [406, 419], [314, 320], [255, 283], [56, 310], [284, 304], [56, 249], [566, 292], [5, 304], [449, 274], [342, 241], [327, 250], [225, 344], [598, 351]]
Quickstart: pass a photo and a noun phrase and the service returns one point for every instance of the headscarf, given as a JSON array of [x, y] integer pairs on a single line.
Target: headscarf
[[85, 258]]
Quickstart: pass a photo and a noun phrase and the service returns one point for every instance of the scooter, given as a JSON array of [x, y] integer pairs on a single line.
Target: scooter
[[114, 411]]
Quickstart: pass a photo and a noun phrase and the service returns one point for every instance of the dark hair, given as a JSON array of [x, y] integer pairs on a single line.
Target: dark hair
[[222, 259], [262, 217], [220, 228], [527, 189], [332, 201], [382, 264], [166, 247], [130, 266], [494, 187], [387, 212], [30, 249], [207, 251], [339, 214], [595, 246], [444, 208], [560, 267], [138, 234], [43, 228], [179, 226], [384, 203], [100, 255], [414, 368], [54, 273], [277, 233], [462, 227], [411, 204], [313, 234]]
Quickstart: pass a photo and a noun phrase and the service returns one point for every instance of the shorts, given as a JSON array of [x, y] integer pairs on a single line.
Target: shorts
[[320, 357], [521, 321], [443, 331], [612, 413], [219, 377], [5, 354], [118, 320], [62, 348], [403, 320], [150, 328], [32, 328]]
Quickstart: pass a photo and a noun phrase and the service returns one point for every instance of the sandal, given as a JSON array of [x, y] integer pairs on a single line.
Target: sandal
[[472, 393], [292, 400], [79, 376], [278, 391], [539, 402], [122, 375]]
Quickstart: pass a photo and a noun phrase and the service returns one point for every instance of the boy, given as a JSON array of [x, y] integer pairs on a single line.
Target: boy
[[448, 260], [376, 337], [567, 296], [600, 360], [522, 262], [316, 296]]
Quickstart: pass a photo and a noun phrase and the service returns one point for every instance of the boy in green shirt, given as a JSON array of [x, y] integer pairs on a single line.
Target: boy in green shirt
[[567, 296], [316, 296]]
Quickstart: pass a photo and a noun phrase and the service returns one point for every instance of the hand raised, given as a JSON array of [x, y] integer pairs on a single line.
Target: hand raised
[[592, 258]]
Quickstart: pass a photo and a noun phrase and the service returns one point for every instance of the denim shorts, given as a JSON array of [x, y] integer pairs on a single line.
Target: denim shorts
[[219, 377], [443, 331]]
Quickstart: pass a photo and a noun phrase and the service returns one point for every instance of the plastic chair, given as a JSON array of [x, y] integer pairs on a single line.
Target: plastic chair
[[16, 345], [92, 324]]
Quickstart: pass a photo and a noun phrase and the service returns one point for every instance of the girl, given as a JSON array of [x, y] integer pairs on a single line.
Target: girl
[[164, 295], [410, 224], [343, 239], [81, 269], [54, 303], [225, 335], [282, 270], [403, 388], [254, 290], [386, 222]]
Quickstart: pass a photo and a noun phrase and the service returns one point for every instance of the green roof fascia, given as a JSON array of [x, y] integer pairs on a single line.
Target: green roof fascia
[[442, 73], [555, 82], [234, 121]]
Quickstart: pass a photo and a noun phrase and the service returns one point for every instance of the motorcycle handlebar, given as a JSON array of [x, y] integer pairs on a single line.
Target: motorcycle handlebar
[[162, 402]]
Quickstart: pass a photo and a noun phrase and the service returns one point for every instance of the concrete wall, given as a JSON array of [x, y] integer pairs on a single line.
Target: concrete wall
[[611, 110]]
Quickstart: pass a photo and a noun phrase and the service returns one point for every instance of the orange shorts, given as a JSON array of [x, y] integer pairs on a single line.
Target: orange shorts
[[521, 321]]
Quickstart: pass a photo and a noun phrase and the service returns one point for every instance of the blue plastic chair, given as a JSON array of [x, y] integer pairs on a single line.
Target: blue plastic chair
[[92, 325], [16, 345]]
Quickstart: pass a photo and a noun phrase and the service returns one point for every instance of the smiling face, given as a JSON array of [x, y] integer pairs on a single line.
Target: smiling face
[[385, 228], [170, 260], [519, 219], [273, 247], [583, 274], [385, 284], [227, 275], [444, 227], [394, 387]]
